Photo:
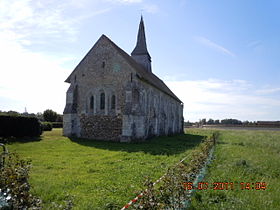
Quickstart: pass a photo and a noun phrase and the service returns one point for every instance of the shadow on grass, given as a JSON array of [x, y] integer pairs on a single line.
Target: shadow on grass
[[20, 139], [167, 145]]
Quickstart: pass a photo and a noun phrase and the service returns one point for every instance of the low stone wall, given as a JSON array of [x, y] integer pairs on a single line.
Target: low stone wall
[[101, 127]]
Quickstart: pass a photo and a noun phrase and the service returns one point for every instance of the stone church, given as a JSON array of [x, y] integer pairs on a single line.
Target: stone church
[[115, 96]]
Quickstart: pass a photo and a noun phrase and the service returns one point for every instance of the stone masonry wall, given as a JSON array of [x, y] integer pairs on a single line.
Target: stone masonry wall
[[154, 113], [101, 127], [102, 70]]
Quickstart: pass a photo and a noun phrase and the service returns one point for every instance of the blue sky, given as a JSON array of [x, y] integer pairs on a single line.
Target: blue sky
[[220, 57]]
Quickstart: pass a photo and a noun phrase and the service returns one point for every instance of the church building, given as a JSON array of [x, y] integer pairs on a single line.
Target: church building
[[116, 97]]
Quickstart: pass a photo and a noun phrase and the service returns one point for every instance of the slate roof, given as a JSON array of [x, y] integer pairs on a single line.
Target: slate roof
[[142, 73], [141, 46]]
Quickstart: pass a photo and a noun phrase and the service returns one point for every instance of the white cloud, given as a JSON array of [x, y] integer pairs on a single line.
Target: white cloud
[[29, 20], [92, 14], [37, 21], [30, 80], [214, 46], [268, 91], [224, 99], [151, 8]]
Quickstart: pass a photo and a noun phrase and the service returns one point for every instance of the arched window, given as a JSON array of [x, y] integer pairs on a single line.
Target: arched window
[[135, 96], [102, 101], [75, 100], [91, 104], [113, 102]]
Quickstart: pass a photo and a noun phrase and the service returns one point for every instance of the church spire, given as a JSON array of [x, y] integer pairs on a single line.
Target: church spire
[[140, 53]]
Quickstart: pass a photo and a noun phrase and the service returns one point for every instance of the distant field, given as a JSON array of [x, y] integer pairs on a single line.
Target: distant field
[[243, 128], [96, 174], [248, 156]]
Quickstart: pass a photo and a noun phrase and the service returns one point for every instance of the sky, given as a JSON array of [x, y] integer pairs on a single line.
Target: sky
[[220, 57]]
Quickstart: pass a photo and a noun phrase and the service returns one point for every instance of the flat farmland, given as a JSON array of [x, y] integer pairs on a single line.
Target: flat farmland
[[244, 158]]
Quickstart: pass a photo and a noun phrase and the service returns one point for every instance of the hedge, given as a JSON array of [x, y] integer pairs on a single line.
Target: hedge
[[57, 124], [47, 126], [19, 126]]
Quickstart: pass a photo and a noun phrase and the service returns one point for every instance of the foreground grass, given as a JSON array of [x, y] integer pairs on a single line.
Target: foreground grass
[[242, 156], [95, 174]]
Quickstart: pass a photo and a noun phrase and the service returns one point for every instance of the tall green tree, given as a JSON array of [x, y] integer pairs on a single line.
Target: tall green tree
[[203, 121], [50, 115], [210, 122]]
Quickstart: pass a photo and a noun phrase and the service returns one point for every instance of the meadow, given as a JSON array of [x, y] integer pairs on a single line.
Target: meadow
[[242, 156], [88, 174]]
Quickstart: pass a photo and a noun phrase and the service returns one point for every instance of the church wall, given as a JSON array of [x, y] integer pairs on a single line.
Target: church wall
[[67, 128], [133, 128], [94, 78], [71, 125], [155, 114], [103, 70], [141, 111], [101, 127]]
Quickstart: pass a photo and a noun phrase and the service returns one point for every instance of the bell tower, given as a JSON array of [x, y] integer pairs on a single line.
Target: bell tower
[[140, 53]]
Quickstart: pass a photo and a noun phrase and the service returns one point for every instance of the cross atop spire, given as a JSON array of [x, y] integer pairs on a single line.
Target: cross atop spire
[[140, 52]]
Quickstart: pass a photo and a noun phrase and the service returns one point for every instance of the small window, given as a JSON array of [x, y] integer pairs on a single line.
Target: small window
[[103, 64], [75, 78], [102, 101], [135, 96], [91, 104], [113, 102]]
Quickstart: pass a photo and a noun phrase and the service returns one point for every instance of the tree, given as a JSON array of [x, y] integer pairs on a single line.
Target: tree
[[59, 118], [40, 116], [245, 122], [216, 122], [50, 115], [231, 122], [210, 122], [14, 113], [202, 121], [188, 123]]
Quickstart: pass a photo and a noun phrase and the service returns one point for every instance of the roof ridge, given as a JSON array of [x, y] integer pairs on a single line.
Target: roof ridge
[[149, 77], [144, 73]]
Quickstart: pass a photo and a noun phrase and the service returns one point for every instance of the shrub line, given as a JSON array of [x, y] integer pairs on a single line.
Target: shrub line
[[199, 177], [172, 193], [146, 190]]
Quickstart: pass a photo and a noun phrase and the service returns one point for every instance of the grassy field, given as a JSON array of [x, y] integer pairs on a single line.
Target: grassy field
[[248, 156], [95, 174], [106, 175]]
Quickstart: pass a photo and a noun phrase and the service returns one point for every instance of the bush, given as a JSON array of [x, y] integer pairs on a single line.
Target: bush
[[47, 126], [14, 184], [57, 124], [19, 126]]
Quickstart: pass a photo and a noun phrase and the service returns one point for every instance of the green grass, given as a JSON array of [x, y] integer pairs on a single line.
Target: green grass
[[96, 174], [242, 156]]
